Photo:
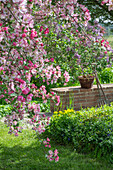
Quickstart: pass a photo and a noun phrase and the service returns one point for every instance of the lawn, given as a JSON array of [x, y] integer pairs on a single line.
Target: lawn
[[25, 153]]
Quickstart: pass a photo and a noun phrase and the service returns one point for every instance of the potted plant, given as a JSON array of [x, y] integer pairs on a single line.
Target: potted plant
[[86, 81], [87, 78]]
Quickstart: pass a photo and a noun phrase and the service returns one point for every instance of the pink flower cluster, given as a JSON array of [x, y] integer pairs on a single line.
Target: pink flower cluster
[[46, 143], [52, 155], [67, 77], [51, 74], [39, 123]]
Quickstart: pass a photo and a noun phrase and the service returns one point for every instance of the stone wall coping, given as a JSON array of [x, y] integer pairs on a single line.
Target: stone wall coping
[[73, 88]]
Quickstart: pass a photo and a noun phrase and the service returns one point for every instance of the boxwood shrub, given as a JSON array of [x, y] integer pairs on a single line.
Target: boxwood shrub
[[89, 130]]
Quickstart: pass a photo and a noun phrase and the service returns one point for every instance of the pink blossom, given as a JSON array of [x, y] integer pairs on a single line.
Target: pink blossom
[[21, 98], [52, 59], [41, 44], [14, 43], [15, 122], [1, 69], [25, 30], [44, 142], [29, 97], [48, 139], [16, 134], [1, 82], [35, 66], [6, 100], [5, 28], [55, 152], [105, 52], [46, 60], [57, 159], [46, 31], [51, 159], [48, 118], [50, 152], [33, 86], [102, 41], [1, 96], [30, 64], [41, 28], [23, 35], [26, 67], [26, 90], [52, 92]]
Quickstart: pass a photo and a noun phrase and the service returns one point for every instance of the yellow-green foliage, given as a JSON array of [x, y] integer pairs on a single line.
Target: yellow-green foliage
[[94, 113], [68, 112]]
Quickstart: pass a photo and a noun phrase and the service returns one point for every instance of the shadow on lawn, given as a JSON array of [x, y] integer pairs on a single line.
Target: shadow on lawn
[[17, 157], [26, 158], [32, 158], [25, 153]]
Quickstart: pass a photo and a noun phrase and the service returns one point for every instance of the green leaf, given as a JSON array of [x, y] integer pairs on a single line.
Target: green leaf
[[13, 94], [9, 5], [28, 41]]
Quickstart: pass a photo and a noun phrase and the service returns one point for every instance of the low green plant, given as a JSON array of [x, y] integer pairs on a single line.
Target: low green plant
[[106, 75], [89, 130], [5, 110]]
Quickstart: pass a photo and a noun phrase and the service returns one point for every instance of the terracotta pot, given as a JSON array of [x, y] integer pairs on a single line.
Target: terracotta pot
[[86, 82]]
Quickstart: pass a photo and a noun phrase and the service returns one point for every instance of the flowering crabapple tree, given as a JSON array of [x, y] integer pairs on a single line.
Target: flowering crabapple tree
[[23, 55]]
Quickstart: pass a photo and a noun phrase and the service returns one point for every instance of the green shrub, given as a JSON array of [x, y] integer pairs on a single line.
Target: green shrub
[[106, 75], [5, 110], [90, 130]]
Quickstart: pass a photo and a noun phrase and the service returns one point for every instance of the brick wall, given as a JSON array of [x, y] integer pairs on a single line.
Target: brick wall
[[78, 97]]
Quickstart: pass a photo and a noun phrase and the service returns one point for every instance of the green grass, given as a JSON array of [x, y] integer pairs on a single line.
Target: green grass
[[25, 153]]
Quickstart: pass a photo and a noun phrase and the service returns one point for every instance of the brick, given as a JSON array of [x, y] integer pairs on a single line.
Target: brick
[[81, 97], [85, 90]]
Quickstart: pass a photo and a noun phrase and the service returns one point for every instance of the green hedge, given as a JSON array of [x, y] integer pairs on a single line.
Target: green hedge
[[89, 130]]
